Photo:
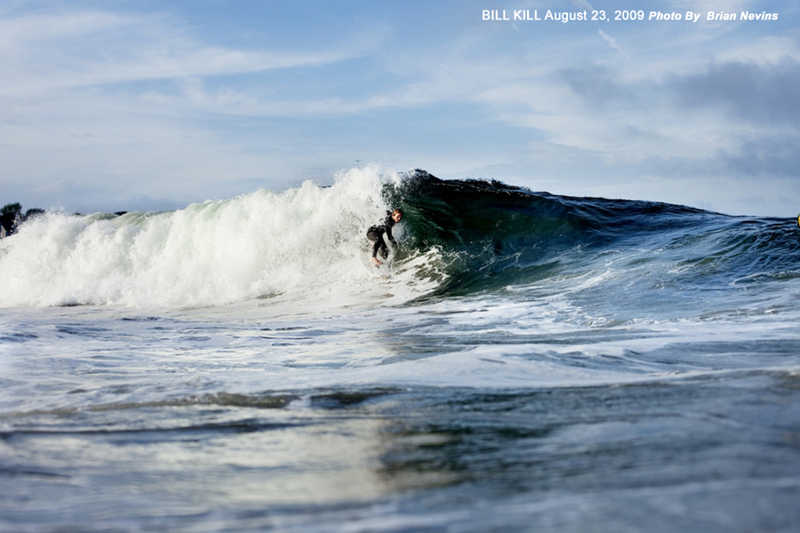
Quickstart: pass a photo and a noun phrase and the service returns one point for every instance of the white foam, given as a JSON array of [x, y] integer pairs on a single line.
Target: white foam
[[305, 240]]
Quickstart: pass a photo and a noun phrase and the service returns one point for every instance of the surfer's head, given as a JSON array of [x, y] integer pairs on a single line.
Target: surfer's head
[[397, 214]]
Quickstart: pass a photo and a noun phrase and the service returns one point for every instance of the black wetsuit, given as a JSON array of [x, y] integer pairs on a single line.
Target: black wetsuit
[[375, 234]]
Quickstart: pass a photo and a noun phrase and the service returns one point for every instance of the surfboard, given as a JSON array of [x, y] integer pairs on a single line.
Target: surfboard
[[382, 271]]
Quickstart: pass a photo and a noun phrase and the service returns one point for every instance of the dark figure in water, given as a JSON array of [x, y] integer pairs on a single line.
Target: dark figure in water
[[375, 234]]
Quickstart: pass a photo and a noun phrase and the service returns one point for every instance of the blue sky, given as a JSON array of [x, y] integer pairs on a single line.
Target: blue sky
[[150, 105]]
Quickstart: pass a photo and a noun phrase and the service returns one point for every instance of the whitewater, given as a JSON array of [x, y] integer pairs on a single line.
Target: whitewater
[[535, 362]]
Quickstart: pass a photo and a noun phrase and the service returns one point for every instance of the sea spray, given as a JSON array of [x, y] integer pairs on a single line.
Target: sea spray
[[216, 252]]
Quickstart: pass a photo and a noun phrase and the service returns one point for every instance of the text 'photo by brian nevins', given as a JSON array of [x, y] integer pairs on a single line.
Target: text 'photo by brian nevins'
[[457, 266]]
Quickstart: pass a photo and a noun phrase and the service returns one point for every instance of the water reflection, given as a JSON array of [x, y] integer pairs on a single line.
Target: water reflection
[[277, 458]]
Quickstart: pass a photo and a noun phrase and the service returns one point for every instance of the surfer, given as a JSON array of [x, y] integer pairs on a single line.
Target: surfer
[[376, 233]]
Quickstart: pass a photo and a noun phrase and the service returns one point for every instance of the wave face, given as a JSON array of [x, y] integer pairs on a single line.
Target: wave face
[[493, 236], [459, 237]]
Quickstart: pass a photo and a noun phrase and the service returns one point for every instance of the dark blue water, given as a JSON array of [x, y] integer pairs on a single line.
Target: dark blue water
[[535, 363]]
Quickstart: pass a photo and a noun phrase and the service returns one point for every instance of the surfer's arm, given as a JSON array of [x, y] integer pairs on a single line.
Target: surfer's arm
[[389, 234]]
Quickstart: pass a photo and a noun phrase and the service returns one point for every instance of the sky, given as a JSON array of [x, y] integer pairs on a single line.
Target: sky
[[152, 105]]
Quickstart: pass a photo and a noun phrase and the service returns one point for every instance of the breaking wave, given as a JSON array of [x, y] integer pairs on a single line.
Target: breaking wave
[[458, 237]]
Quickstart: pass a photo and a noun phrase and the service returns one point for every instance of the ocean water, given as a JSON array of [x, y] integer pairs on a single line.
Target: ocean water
[[534, 363]]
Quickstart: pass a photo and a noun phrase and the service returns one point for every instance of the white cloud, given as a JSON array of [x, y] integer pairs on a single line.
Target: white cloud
[[73, 108], [41, 53], [611, 41]]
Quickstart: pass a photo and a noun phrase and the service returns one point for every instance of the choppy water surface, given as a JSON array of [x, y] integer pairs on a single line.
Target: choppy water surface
[[536, 363]]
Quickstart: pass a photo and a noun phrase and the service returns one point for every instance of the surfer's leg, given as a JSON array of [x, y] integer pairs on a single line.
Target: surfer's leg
[[378, 244], [374, 238]]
